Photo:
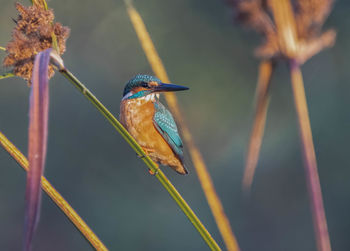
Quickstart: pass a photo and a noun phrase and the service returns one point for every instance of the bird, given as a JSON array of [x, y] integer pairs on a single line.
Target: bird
[[150, 122]]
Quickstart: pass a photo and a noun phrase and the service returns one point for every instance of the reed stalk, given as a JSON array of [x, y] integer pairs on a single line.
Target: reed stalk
[[197, 159], [292, 32], [286, 30], [72, 215], [262, 102], [310, 164]]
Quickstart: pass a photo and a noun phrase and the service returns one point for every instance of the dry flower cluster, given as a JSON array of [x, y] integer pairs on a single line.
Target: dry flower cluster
[[310, 16], [32, 34]]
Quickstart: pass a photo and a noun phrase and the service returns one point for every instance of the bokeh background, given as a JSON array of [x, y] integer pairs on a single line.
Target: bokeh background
[[202, 47]]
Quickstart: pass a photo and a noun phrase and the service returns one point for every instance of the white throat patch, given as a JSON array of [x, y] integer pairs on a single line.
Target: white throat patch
[[150, 97], [127, 95]]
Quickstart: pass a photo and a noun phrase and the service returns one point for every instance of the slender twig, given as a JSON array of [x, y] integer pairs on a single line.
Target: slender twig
[[55, 196], [151, 165], [318, 213], [7, 75], [2, 48], [197, 159], [262, 103]]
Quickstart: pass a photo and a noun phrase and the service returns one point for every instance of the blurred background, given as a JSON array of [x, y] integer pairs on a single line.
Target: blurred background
[[202, 47]]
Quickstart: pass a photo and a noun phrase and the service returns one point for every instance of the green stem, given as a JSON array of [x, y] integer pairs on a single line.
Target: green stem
[[7, 75], [2, 48], [151, 165], [43, 2]]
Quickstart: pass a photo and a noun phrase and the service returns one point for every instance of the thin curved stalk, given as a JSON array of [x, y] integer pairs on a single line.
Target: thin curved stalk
[[151, 165], [197, 159], [257, 134], [2, 48], [55, 196]]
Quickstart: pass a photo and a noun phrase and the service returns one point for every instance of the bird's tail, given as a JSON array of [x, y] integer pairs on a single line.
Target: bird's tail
[[180, 168]]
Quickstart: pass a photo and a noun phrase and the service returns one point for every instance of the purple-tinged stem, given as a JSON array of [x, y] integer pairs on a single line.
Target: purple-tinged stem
[[312, 179], [37, 143]]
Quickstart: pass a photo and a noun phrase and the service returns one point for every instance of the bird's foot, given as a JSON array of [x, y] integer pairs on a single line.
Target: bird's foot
[[140, 156], [153, 173], [149, 170]]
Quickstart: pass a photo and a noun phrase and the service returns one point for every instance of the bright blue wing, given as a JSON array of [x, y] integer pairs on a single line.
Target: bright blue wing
[[165, 124]]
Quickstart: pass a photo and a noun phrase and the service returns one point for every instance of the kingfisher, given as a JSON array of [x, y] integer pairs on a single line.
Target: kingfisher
[[150, 123]]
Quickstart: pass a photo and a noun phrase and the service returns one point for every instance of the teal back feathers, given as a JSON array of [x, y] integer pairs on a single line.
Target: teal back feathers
[[165, 124]]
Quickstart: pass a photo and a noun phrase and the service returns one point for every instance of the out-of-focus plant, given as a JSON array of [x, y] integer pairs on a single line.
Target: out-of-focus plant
[[34, 54], [35, 32], [37, 142], [55, 196], [292, 33]]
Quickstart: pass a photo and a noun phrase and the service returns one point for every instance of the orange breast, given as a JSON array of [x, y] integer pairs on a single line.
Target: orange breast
[[137, 117]]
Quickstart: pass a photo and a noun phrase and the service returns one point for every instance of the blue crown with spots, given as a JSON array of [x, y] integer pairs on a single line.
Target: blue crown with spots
[[139, 81]]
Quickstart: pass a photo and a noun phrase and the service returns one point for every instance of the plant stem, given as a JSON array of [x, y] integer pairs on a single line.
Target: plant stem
[[55, 196], [262, 103], [197, 159], [313, 182], [151, 165], [282, 11], [41, 3], [7, 75]]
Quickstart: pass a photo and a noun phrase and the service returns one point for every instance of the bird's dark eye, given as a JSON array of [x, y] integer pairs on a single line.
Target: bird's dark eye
[[144, 84]]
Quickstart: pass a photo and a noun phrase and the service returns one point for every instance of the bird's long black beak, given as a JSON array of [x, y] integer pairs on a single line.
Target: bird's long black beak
[[162, 87]]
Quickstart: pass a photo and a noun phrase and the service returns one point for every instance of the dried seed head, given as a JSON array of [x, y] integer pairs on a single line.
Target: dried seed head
[[32, 34], [253, 14], [309, 17]]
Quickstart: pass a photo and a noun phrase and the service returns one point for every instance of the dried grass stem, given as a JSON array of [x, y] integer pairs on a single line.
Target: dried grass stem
[[313, 182], [262, 103], [78, 222]]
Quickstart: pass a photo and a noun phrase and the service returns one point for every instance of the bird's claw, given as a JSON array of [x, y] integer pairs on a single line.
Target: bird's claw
[[153, 173], [149, 170], [141, 156]]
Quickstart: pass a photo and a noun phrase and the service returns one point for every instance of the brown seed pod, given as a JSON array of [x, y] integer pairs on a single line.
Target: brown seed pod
[[32, 34]]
